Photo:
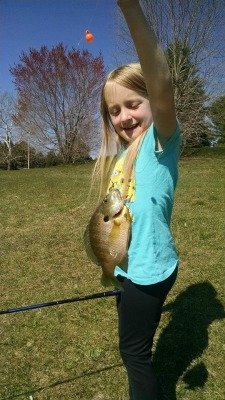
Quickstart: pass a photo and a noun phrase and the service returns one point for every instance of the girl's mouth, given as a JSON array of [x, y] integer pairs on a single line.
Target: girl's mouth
[[131, 128]]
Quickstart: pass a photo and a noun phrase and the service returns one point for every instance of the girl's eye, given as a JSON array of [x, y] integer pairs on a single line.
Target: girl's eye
[[114, 113], [134, 106]]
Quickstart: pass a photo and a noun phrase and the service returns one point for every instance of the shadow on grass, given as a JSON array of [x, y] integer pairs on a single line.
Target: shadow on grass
[[182, 341], [63, 382], [186, 337]]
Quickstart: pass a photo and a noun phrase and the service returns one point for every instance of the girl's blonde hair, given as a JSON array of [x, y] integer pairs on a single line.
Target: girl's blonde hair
[[130, 76]]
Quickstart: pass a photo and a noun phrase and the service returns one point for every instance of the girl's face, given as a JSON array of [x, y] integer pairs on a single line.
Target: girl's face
[[129, 112]]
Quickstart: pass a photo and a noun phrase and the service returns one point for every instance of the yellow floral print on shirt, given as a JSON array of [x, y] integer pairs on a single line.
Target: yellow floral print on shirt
[[117, 180]]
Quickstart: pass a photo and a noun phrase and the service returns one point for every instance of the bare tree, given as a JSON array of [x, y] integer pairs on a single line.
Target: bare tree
[[7, 108], [57, 98], [192, 34]]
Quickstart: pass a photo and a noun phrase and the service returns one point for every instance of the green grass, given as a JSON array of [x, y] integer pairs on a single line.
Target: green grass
[[70, 351]]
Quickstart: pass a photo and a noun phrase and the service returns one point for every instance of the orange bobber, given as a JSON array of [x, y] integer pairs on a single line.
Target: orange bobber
[[89, 37]]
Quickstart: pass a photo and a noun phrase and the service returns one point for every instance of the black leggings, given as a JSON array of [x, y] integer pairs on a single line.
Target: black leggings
[[139, 311]]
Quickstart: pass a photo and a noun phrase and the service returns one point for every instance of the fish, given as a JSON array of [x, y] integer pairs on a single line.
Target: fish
[[107, 236]]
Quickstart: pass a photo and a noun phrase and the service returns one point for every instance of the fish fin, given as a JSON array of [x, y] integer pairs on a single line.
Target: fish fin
[[107, 281], [125, 214], [124, 264], [118, 221], [114, 231], [88, 248]]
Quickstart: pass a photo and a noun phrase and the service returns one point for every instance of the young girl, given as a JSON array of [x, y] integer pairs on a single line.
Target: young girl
[[139, 119]]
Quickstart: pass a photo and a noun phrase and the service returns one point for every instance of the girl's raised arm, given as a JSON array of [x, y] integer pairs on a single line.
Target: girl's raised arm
[[154, 66]]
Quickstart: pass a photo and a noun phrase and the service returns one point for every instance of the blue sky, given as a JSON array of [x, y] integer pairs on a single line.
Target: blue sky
[[26, 24]]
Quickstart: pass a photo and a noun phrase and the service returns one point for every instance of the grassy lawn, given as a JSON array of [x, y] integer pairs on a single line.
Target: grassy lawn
[[70, 351]]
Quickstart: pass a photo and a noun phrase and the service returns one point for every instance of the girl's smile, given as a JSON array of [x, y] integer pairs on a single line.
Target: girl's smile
[[129, 112]]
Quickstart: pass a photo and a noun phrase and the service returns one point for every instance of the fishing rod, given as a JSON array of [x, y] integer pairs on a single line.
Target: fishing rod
[[108, 293]]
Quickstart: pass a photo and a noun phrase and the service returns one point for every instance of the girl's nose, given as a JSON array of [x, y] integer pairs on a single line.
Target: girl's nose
[[125, 116]]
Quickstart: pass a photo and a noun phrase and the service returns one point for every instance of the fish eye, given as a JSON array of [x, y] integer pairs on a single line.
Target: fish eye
[[106, 218]]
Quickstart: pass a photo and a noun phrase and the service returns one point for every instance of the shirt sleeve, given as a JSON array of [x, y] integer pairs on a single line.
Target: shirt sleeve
[[172, 144]]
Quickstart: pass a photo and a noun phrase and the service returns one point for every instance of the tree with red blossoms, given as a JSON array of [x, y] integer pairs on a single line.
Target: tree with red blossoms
[[58, 94]]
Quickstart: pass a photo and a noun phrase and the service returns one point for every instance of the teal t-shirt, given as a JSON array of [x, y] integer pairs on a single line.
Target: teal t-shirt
[[152, 255]]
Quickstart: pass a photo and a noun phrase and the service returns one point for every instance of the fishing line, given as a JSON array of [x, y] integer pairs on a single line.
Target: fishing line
[[108, 293], [89, 23]]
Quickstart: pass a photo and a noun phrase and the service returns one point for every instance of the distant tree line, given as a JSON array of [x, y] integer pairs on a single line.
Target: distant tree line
[[217, 114], [23, 155]]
